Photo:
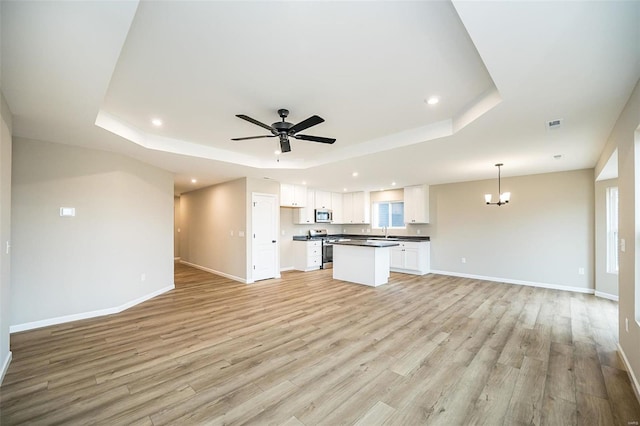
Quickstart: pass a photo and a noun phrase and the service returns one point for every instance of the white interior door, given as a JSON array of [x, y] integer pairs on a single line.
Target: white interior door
[[265, 231]]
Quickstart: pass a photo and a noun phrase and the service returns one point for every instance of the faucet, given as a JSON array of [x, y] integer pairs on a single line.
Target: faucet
[[386, 229]]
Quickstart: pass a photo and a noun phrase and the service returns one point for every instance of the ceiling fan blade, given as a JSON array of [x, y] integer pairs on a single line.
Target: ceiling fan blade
[[256, 122], [253, 137], [311, 121], [285, 146], [314, 138]]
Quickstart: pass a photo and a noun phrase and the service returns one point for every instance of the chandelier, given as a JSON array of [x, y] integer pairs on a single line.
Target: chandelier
[[503, 197]]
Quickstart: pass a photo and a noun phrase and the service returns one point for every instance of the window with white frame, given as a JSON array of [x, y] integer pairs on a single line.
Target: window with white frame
[[612, 230], [389, 214]]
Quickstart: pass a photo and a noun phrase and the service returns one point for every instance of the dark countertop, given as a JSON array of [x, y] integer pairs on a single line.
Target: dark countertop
[[367, 243], [305, 238], [366, 237]]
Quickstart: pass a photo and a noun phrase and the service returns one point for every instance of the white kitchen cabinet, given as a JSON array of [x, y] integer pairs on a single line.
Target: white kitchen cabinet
[[355, 207], [416, 204], [323, 200], [306, 215], [308, 255], [347, 207], [293, 195], [336, 206], [411, 257]]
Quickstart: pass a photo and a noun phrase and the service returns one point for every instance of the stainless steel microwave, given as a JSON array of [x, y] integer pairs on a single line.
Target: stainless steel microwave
[[324, 216]]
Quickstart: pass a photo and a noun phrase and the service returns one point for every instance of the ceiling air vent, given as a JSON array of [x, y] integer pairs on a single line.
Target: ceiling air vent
[[554, 124]]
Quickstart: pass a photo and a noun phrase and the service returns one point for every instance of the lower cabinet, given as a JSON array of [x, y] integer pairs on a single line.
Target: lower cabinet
[[308, 255], [411, 257]]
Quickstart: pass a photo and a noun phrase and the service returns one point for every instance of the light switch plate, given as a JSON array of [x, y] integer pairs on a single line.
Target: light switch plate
[[67, 211]]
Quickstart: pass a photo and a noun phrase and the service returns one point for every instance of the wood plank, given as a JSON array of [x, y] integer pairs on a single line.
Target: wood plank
[[526, 402]]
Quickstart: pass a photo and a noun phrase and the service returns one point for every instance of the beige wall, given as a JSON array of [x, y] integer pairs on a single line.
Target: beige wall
[[215, 226], [606, 283], [543, 236], [211, 222], [5, 233], [626, 137], [71, 267]]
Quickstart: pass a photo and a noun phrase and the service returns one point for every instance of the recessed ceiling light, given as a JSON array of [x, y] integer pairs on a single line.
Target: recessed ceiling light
[[156, 122], [194, 180], [344, 189], [432, 100], [393, 184], [277, 152], [354, 174], [304, 182]]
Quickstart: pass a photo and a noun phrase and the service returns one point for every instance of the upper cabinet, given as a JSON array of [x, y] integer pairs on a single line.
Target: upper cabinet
[[323, 200], [416, 204], [293, 195], [306, 215], [355, 207], [336, 206]]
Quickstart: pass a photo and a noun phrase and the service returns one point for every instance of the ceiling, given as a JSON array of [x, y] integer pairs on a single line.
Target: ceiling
[[94, 74]]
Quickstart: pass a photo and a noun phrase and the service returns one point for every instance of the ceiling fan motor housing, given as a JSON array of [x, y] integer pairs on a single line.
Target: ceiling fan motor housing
[[282, 126]]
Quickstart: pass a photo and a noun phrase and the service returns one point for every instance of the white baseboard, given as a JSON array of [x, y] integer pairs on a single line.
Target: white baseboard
[[634, 380], [213, 271], [84, 315], [607, 295], [285, 269], [517, 282], [5, 366], [176, 258]]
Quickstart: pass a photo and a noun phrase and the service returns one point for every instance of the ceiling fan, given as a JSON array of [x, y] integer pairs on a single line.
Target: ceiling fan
[[283, 130]]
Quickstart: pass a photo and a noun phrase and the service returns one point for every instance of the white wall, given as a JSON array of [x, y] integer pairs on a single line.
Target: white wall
[[606, 283], [5, 233], [65, 268], [543, 236]]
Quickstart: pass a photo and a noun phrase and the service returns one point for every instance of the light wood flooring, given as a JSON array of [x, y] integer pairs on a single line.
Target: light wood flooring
[[306, 350]]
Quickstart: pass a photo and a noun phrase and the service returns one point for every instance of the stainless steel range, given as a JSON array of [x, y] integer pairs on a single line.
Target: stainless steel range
[[327, 246]]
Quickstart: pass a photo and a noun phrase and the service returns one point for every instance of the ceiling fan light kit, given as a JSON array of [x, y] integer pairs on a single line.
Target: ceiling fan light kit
[[503, 197], [284, 130]]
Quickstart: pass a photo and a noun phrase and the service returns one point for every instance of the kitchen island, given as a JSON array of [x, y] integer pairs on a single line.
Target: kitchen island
[[362, 261]]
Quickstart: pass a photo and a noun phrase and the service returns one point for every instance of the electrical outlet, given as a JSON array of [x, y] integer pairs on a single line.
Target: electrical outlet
[[418, 231], [626, 324], [240, 233], [463, 260], [623, 245], [580, 271], [231, 233], [284, 232], [143, 277]]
